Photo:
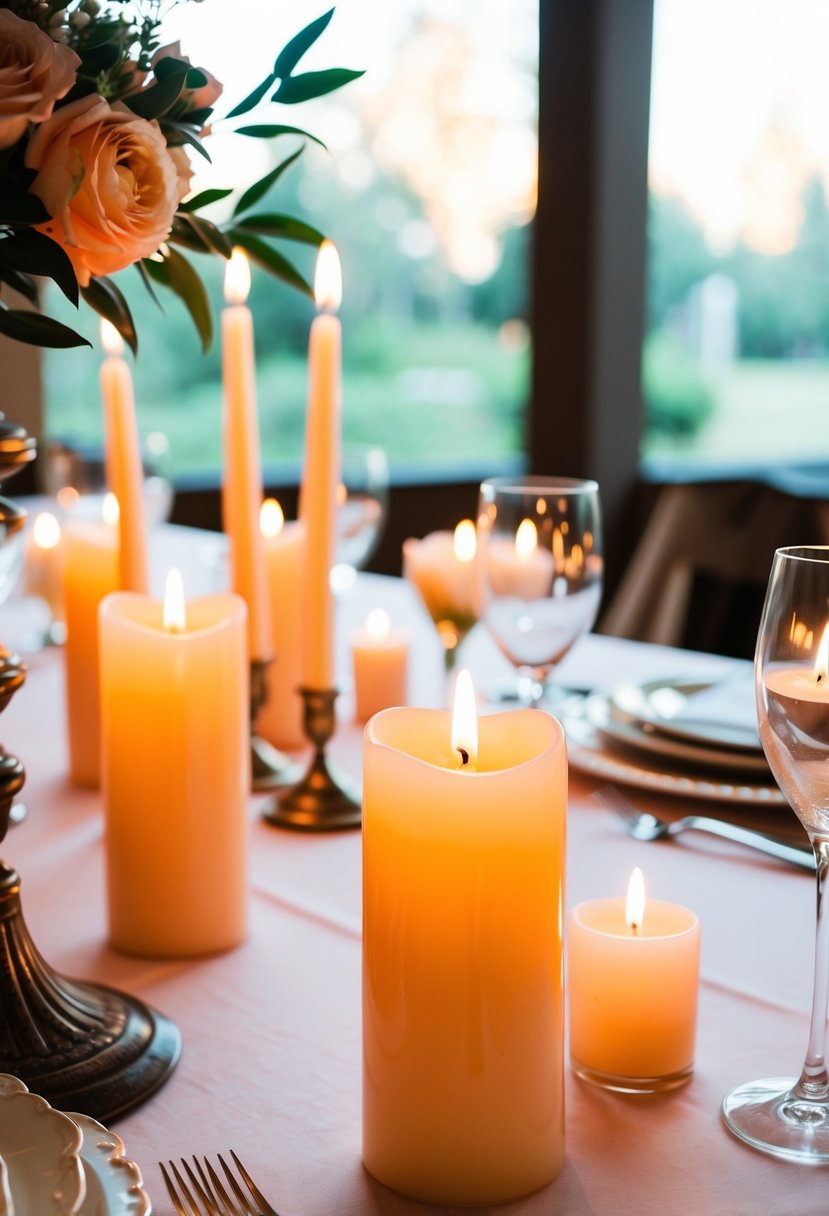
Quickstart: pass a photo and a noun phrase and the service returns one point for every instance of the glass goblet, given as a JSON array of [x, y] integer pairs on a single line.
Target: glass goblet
[[362, 506], [541, 568], [787, 1116]]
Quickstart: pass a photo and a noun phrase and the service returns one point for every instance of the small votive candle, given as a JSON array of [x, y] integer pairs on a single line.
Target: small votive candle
[[380, 657], [633, 982]]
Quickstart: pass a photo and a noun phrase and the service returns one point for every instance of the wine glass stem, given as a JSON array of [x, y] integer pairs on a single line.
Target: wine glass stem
[[814, 1079], [530, 686]]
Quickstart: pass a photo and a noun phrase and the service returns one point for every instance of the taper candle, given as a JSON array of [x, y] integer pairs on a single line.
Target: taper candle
[[125, 477], [280, 718]]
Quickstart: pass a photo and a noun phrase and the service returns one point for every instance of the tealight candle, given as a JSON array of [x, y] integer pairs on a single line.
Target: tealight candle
[[633, 981], [798, 694], [443, 567], [463, 867], [42, 566], [280, 718], [380, 659], [519, 567], [174, 702]]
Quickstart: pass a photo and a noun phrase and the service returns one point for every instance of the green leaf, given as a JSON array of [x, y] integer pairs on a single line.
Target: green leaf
[[176, 273], [170, 66], [22, 283], [109, 302], [184, 133], [213, 239], [292, 52], [271, 260], [203, 199], [294, 89], [271, 130], [20, 206], [159, 97], [272, 223], [258, 189], [182, 233], [37, 330], [35, 253], [145, 279], [253, 98]]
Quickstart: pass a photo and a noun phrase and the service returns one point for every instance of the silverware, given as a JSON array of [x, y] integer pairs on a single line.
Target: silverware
[[642, 825], [204, 1193]]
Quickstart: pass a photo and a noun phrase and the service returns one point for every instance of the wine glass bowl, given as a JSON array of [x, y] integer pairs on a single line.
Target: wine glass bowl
[[789, 1117], [362, 506], [541, 570]]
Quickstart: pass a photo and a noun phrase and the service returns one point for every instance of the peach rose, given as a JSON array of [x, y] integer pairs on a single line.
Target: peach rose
[[195, 99], [107, 179], [35, 72], [184, 170]]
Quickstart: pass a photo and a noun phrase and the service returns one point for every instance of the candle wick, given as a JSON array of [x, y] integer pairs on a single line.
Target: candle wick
[[819, 677], [464, 755]]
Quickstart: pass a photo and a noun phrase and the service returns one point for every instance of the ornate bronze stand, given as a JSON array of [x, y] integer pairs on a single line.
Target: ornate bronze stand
[[270, 768], [81, 1046], [321, 801]]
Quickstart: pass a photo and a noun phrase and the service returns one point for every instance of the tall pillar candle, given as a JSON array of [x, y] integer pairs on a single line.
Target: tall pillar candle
[[463, 1020], [280, 718], [125, 477], [174, 698], [321, 473], [90, 571], [242, 483]]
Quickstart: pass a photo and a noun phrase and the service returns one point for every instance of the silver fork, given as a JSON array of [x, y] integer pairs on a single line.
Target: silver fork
[[642, 825], [204, 1193]]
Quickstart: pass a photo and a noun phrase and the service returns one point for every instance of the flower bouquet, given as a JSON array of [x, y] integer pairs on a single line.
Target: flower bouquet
[[98, 121]]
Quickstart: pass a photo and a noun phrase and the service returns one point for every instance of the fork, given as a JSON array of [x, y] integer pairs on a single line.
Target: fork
[[642, 825], [207, 1195]]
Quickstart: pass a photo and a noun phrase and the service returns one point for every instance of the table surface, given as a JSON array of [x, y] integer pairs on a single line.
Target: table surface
[[271, 1063]]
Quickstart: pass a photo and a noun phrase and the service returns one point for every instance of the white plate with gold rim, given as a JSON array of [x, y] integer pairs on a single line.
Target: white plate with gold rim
[[41, 1149], [114, 1186]]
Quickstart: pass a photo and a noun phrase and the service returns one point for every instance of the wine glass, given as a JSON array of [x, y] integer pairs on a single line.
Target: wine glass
[[541, 570], [362, 504], [75, 476], [787, 1116]]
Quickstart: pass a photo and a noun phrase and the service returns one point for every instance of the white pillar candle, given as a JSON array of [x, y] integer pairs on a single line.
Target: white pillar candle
[[280, 718], [321, 475], [519, 567], [174, 698], [242, 484], [463, 870], [633, 981], [380, 662], [125, 476], [42, 575]]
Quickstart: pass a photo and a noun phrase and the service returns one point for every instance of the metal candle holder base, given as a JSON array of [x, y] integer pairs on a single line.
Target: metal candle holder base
[[321, 801], [270, 768]]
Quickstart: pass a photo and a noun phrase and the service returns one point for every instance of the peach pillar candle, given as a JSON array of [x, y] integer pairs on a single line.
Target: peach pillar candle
[[90, 571], [125, 476], [463, 871], [280, 718], [519, 568], [380, 661], [443, 567], [321, 474], [633, 980], [42, 575], [242, 482], [174, 699]]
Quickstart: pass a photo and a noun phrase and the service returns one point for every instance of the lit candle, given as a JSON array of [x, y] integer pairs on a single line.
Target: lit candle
[[242, 484], [463, 868], [321, 475], [380, 659], [519, 567], [280, 718], [443, 566], [174, 699], [42, 568], [633, 980], [125, 477], [90, 571]]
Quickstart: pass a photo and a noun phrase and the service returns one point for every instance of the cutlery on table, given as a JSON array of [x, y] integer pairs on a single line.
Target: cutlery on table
[[642, 825], [204, 1193]]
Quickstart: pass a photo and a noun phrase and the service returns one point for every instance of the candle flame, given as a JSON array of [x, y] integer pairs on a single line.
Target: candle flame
[[328, 278], [465, 541], [237, 277], [635, 902], [46, 531], [822, 660], [175, 618], [271, 518], [110, 510], [378, 624], [465, 720], [111, 339], [526, 539]]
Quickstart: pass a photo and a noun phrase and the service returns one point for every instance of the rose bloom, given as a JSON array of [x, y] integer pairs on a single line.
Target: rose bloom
[[108, 181], [195, 99], [34, 73]]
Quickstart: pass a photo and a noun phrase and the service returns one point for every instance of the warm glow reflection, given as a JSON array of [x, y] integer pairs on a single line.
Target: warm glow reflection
[[328, 278], [67, 498], [822, 660], [526, 539], [271, 518], [46, 531], [635, 902], [465, 541], [237, 277], [175, 619], [111, 339], [378, 624], [110, 511], [465, 720]]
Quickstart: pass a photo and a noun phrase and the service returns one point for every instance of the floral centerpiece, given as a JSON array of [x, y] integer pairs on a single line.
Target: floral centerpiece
[[98, 123]]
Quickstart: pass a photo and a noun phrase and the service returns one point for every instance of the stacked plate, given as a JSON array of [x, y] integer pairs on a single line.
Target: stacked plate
[[676, 736], [52, 1164]]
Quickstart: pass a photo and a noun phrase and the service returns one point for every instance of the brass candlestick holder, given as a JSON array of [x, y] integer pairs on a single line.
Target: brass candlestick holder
[[82, 1046], [322, 800], [270, 768]]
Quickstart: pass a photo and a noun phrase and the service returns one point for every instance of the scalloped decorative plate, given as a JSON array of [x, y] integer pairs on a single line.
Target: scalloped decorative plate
[[114, 1186], [41, 1149]]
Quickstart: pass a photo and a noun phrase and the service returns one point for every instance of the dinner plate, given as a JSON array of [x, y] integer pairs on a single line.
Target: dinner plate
[[114, 1186], [669, 707], [586, 752], [41, 1149]]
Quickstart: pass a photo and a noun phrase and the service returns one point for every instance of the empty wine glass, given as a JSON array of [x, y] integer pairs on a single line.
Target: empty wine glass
[[540, 561], [75, 476], [361, 510], [787, 1116]]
